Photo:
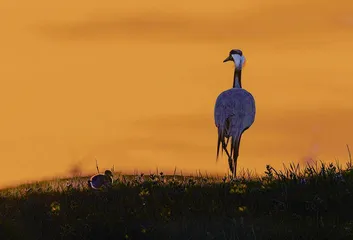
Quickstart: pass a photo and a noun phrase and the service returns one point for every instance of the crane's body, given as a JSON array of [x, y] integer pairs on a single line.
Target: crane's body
[[234, 113]]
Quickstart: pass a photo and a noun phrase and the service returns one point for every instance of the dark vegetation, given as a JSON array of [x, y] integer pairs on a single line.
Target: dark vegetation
[[315, 202]]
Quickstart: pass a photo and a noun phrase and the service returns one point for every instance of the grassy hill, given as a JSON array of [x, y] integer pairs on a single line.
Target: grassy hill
[[315, 202]]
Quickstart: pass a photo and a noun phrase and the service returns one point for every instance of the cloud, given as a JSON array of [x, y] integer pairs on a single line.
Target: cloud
[[170, 145], [175, 122], [279, 21], [276, 132], [273, 121]]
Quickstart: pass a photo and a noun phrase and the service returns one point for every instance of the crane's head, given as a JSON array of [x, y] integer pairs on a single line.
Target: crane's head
[[237, 57]]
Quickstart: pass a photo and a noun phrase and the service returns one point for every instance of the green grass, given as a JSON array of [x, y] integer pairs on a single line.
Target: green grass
[[315, 202]]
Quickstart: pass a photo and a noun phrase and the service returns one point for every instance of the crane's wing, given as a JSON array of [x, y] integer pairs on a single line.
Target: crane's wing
[[234, 112]]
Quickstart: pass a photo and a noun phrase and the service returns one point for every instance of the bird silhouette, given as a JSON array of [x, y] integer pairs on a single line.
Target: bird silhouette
[[234, 112], [101, 180]]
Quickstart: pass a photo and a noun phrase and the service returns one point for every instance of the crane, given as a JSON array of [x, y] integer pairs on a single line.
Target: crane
[[234, 112]]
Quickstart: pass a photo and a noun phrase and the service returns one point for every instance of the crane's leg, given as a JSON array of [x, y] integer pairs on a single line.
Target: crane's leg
[[230, 160], [231, 165], [235, 159], [231, 157], [236, 154], [224, 146], [227, 142]]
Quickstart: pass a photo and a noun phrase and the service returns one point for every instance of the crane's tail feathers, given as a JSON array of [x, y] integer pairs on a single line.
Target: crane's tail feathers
[[218, 144], [220, 141]]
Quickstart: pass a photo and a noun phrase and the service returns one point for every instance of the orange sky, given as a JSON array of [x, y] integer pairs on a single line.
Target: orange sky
[[134, 83]]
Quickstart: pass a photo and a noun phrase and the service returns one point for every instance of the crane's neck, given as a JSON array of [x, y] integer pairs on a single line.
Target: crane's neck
[[237, 79]]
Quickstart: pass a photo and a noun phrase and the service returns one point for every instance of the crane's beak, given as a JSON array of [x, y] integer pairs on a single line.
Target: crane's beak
[[229, 58]]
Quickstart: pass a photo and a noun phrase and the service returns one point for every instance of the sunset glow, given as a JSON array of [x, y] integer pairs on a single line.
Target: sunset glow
[[134, 84]]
